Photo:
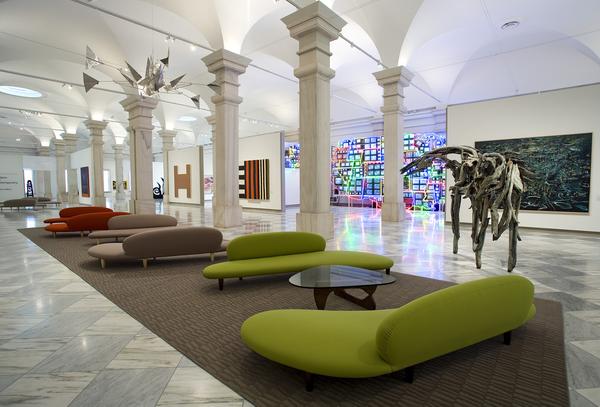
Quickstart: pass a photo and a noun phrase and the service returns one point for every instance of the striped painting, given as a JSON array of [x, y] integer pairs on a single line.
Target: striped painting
[[254, 179]]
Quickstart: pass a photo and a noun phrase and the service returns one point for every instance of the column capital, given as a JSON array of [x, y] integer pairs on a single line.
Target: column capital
[[224, 59], [398, 74], [70, 140], [43, 151], [212, 119], [314, 26], [165, 134], [139, 108], [95, 126], [314, 17], [59, 147], [118, 148]]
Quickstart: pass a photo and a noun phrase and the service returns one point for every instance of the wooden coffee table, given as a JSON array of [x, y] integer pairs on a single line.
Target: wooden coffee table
[[327, 279]]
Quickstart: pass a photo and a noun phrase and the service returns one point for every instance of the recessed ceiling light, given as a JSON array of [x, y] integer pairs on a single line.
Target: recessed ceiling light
[[187, 119], [18, 91], [17, 139], [510, 25]]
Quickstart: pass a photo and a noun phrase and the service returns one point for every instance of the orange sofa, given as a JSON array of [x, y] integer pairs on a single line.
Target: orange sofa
[[85, 222], [78, 210]]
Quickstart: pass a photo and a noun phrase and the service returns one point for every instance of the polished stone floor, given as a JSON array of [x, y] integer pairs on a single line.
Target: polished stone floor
[[62, 343]]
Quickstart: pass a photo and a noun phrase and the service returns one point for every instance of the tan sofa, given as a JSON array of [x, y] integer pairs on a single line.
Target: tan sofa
[[163, 242], [19, 203], [125, 226]]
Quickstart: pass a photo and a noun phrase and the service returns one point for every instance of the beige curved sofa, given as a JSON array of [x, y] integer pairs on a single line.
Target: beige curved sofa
[[163, 242], [19, 203], [131, 225]]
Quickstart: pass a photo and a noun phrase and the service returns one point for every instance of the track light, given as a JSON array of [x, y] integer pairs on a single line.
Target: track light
[[192, 47], [67, 85]]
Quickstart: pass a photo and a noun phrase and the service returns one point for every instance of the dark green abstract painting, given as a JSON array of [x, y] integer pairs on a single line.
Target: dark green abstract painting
[[561, 167]]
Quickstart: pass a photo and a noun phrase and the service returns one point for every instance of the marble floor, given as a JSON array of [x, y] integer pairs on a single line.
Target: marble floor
[[62, 343]]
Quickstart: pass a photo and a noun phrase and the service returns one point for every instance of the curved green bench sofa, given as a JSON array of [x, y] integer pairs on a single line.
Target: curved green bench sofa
[[286, 252], [358, 344]]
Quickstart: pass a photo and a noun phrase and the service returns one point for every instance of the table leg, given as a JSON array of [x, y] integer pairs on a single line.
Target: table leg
[[321, 295], [368, 302]]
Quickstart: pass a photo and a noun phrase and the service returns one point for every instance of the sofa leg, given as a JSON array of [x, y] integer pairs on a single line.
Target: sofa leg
[[507, 337], [145, 263], [97, 241], [81, 233], [409, 374], [54, 235], [309, 380], [102, 263], [212, 257], [387, 271], [240, 278], [221, 284]]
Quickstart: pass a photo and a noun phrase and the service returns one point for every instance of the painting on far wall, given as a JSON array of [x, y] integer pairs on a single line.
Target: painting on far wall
[[254, 180], [561, 166], [85, 182]]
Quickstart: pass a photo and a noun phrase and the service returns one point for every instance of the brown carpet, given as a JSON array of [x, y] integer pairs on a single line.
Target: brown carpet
[[176, 302]]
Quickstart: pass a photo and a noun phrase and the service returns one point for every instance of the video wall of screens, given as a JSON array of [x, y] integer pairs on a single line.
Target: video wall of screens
[[424, 190], [357, 169]]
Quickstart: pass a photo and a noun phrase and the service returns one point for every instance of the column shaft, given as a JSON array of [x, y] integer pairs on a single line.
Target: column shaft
[[96, 127], [73, 186], [227, 67], [167, 145], [120, 191], [314, 26], [140, 148], [393, 81], [59, 152]]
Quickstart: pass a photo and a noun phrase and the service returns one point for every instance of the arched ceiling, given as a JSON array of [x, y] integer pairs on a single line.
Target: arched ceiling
[[456, 49]]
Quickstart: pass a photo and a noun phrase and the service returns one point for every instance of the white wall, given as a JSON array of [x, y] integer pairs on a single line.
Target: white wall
[[11, 177], [42, 163], [568, 111], [260, 147], [292, 186], [83, 158], [194, 157]]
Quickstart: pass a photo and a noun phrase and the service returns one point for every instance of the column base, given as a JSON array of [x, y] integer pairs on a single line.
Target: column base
[[142, 206], [63, 197], [393, 211], [99, 201], [227, 216], [320, 223]]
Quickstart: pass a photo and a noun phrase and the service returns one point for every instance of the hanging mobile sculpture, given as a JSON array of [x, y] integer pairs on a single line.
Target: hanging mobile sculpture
[[491, 181], [151, 84]]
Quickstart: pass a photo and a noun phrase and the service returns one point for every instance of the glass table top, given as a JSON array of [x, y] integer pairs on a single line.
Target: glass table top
[[339, 276]]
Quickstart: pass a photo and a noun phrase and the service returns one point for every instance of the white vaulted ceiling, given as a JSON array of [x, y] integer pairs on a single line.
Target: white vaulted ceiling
[[456, 49]]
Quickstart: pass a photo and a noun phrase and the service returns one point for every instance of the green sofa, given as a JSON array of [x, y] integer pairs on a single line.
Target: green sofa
[[358, 344], [286, 252]]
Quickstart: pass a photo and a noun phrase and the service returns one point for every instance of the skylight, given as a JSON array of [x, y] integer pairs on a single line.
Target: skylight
[[19, 91]]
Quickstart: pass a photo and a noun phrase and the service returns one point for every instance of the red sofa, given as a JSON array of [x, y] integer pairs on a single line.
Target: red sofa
[[78, 210], [85, 222]]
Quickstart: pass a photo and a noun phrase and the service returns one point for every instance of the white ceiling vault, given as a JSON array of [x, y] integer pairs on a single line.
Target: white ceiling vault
[[457, 50]]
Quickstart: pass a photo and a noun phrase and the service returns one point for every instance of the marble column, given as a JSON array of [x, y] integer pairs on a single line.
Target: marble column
[[211, 120], [73, 187], [227, 67], [167, 137], [314, 26], [59, 153], [96, 127], [140, 152], [43, 180], [393, 81], [120, 191]]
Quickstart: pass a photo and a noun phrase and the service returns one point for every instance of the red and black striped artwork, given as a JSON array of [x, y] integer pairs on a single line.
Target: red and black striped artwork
[[254, 179]]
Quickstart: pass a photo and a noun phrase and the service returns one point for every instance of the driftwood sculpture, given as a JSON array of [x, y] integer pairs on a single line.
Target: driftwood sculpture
[[491, 181]]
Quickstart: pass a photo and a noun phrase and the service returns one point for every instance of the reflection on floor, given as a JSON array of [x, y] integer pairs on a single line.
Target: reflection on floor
[[62, 343]]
